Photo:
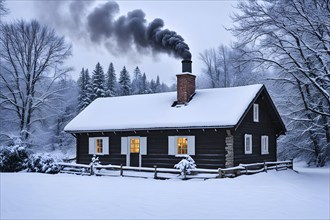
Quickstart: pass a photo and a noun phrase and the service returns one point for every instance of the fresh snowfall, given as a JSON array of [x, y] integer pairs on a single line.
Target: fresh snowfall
[[300, 194]]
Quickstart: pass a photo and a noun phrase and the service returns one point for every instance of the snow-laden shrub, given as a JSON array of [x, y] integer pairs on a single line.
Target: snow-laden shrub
[[185, 165], [43, 163], [95, 162], [13, 158]]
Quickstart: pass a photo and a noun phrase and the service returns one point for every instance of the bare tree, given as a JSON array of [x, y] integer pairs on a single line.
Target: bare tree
[[56, 138], [32, 59], [216, 67], [3, 9], [223, 67], [293, 38]]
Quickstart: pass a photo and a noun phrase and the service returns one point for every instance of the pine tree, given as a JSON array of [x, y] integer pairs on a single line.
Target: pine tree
[[164, 87], [85, 90], [158, 88], [98, 82], [125, 82], [152, 86], [144, 84], [81, 86], [88, 89], [137, 82], [111, 81]]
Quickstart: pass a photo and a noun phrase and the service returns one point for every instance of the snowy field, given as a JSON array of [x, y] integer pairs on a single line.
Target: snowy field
[[272, 195]]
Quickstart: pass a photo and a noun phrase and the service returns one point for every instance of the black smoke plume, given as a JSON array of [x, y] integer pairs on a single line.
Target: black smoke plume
[[120, 35]]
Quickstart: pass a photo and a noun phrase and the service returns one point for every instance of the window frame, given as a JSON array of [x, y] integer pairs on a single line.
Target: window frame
[[256, 112], [246, 136], [92, 150], [173, 145], [125, 148], [125, 145], [264, 144]]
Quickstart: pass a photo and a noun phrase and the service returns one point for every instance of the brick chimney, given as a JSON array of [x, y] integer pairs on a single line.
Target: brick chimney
[[185, 83]]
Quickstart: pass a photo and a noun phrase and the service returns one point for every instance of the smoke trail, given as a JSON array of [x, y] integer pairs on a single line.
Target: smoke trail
[[121, 35]]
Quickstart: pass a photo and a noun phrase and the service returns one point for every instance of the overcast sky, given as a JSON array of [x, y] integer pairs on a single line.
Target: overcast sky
[[201, 24]]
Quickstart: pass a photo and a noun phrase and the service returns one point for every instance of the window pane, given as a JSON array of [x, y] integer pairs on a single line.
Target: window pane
[[248, 143], [182, 145], [256, 113], [264, 144], [135, 145], [99, 146]]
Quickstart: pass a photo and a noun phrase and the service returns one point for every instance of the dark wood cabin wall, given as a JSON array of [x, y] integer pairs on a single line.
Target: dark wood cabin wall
[[78, 140], [209, 148], [114, 157], [257, 129]]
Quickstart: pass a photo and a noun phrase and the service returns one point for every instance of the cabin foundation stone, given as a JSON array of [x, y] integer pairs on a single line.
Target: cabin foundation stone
[[229, 149]]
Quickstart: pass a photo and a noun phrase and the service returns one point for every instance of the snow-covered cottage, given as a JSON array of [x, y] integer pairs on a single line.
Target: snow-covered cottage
[[217, 127]]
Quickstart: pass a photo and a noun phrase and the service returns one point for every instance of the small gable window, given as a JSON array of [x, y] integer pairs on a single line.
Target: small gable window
[[255, 113], [264, 145], [248, 144], [178, 145], [98, 145]]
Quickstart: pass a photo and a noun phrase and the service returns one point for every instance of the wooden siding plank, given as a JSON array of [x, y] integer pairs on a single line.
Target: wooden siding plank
[[209, 148]]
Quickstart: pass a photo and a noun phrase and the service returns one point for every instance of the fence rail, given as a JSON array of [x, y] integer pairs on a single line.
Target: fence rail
[[167, 173]]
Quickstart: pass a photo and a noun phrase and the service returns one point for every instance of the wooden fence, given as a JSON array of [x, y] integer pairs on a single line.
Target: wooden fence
[[255, 168], [168, 173]]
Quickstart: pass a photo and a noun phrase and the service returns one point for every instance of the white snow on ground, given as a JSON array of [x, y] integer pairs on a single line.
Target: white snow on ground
[[273, 195]]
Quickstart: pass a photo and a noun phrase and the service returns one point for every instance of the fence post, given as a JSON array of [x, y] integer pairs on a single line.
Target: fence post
[[291, 163], [184, 173], [265, 167], [121, 169], [91, 170], [220, 173], [155, 174], [238, 172]]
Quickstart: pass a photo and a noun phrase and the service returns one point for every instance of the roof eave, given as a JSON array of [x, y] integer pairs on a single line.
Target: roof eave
[[151, 129]]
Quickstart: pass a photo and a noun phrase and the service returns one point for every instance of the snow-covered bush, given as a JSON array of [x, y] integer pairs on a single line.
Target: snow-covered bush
[[95, 162], [13, 158], [185, 165], [43, 163]]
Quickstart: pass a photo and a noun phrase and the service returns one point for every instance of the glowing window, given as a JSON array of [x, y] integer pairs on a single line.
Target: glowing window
[[135, 145], [182, 144], [99, 146]]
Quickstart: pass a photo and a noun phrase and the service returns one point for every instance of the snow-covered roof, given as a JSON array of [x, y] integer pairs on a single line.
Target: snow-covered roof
[[222, 107]]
